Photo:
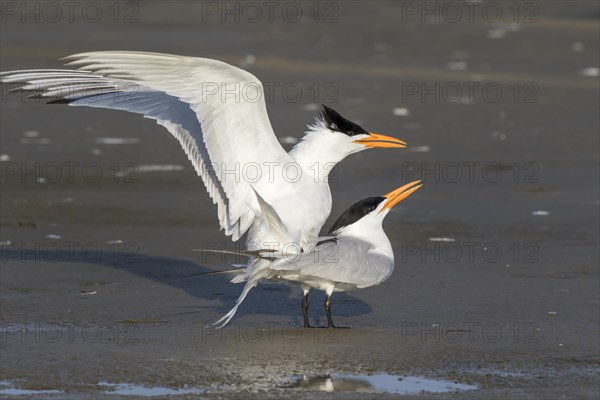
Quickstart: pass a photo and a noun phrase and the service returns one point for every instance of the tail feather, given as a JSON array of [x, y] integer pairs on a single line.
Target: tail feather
[[258, 270], [224, 320]]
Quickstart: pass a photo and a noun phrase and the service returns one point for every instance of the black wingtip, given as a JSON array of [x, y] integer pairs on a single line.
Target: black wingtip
[[60, 101]]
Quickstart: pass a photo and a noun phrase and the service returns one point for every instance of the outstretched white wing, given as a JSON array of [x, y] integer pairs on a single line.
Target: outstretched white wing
[[216, 111]]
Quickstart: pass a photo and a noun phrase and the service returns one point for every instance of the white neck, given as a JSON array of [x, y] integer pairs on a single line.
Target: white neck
[[320, 150], [370, 230]]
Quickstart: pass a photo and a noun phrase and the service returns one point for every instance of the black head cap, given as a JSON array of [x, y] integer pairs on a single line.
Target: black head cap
[[355, 212], [336, 122]]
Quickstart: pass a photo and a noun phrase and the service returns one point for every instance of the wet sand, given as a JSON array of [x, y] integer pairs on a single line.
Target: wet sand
[[496, 282]]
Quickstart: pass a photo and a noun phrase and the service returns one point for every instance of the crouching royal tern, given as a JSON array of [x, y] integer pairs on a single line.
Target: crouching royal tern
[[217, 112], [356, 254]]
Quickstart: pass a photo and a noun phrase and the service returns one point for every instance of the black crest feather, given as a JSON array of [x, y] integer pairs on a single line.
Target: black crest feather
[[336, 122], [355, 212]]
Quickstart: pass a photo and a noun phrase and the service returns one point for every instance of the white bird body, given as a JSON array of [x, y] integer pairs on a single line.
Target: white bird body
[[347, 264], [218, 114], [357, 255]]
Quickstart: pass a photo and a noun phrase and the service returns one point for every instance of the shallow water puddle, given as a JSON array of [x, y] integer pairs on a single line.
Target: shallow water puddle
[[128, 389], [378, 383], [121, 389], [9, 389]]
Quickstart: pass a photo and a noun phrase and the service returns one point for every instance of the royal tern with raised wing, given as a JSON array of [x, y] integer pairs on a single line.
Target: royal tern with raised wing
[[356, 254], [217, 112]]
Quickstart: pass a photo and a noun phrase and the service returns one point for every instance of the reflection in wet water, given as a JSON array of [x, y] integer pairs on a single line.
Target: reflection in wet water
[[379, 383]]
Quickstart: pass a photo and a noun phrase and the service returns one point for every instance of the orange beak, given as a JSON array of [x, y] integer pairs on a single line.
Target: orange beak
[[377, 140], [396, 196]]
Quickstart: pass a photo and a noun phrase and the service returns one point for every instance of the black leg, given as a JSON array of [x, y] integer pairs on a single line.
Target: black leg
[[328, 312], [305, 310]]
